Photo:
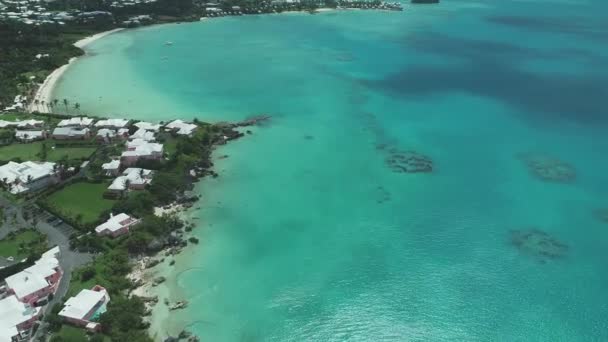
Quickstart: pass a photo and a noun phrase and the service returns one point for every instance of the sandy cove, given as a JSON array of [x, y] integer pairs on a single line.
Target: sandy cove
[[44, 92]]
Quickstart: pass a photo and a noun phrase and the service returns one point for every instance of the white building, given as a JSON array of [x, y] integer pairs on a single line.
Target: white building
[[111, 168], [86, 307], [76, 121], [143, 134], [27, 176], [112, 123], [21, 124], [148, 126], [140, 149], [106, 135], [71, 133], [16, 317], [181, 127], [29, 136], [117, 225], [136, 178]]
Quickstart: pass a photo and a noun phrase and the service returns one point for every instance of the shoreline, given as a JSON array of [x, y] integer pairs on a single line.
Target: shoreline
[[45, 91]]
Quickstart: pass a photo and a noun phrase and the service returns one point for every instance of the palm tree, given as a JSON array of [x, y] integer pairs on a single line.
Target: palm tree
[[36, 103], [65, 103], [77, 106], [55, 102]]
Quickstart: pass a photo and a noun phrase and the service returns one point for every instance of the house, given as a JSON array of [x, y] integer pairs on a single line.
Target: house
[[143, 135], [133, 178], [111, 168], [123, 133], [21, 124], [16, 318], [112, 123], [84, 309], [181, 127], [117, 225], [105, 135], [36, 282], [29, 136], [27, 176], [71, 133], [148, 126], [140, 149], [75, 122]]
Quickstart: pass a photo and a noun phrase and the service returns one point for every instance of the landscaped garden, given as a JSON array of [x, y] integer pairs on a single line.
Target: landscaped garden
[[23, 243], [45, 150]]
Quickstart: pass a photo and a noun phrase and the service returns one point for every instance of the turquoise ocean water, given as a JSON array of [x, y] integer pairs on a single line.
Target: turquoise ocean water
[[307, 235]]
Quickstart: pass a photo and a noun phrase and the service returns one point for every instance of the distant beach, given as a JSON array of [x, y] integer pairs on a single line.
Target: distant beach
[[45, 91]]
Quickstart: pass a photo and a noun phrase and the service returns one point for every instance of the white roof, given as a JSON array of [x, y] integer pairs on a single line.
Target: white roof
[[142, 134], [116, 123], [147, 126], [113, 165], [32, 279], [105, 132], [142, 148], [77, 121], [79, 306], [182, 127], [70, 131], [12, 313], [21, 173], [23, 123], [28, 134], [115, 223], [134, 175]]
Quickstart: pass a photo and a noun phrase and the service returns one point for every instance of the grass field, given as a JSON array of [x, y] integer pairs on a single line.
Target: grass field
[[31, 151], [22, 244], [68, 333], [82, 198]]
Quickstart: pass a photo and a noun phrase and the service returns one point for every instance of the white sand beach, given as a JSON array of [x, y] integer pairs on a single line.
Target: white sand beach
[[45, 91]]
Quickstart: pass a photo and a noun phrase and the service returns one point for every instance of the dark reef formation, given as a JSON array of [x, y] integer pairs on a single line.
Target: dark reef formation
[[601, 214], [382, 195], [538, 244], [549, 169], [408, 162]]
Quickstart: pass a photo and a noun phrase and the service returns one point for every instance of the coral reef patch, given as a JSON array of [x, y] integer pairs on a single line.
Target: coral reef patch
[[549, 169], [408, 162], [538, 244]]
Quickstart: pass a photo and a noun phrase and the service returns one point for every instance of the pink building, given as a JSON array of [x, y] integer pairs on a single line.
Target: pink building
[[140, 149], [38, 281], [15, 318], [84, 309], [117, 225]]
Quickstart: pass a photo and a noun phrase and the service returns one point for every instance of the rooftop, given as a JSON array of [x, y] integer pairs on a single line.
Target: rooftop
[[116, 123], [182, 127], [115, 223], [12, 313], [82, 304], [76, 121]]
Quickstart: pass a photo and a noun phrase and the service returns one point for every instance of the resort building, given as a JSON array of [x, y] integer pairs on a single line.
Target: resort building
[[123, 133], [21, 124], [105, 135], [132, 178], [36, 282], [148, 126], [180, 127], [16, 318], [71, 133], [27, 176], [111, 168], [143, 135], [117, 225], [140, 149], [84, 309], [29, 136], [112, 123], [76, 122]]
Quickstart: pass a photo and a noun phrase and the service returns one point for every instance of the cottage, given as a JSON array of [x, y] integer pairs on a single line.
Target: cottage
[[71, 133], [111, 168], [148, 126], [181, 127], [140, 149], [105, 135], [21, 124], [75, 122], [112, 123], [84, 309], [132, 178], [16, 318], [27, 176], [143, 135], [117, 225], [29, 136], [36, 282]]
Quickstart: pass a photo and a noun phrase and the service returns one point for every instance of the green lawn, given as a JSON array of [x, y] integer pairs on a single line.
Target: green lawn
[[68, 333], [20, 245], [82, 198], [31, 151]]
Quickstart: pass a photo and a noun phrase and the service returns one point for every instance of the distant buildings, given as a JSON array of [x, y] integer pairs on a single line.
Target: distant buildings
[[117, 225], [112, 123], [140, 149], [111, 168], [16, 318], [27, 176], [180, 127], [75, 122], [132, 178], [29, 136], [84, 309], [71, 133]]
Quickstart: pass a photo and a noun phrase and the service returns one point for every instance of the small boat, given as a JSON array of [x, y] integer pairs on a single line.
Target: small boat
[[168, 43]]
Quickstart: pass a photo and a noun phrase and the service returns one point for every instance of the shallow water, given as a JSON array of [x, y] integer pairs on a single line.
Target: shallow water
[[309, 235]]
